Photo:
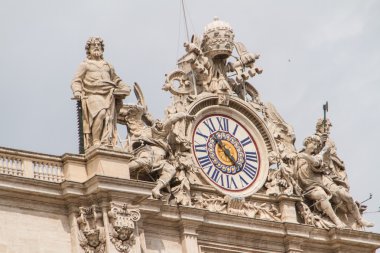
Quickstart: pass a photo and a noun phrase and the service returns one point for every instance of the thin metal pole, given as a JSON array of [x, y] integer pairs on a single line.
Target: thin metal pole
[[188, 39], [184, 17]]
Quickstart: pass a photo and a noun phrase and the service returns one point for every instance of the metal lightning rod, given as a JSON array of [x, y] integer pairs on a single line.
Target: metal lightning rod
[[325, 110], [188, 39]]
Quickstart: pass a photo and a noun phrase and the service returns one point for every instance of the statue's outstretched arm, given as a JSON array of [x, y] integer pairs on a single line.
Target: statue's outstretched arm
[[174, 118]]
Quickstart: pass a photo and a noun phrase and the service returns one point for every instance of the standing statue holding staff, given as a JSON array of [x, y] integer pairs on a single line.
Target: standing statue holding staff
[[101, 93]]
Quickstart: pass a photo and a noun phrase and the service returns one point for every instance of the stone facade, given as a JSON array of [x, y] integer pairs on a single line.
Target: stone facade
[[220, 173], [42, 216]]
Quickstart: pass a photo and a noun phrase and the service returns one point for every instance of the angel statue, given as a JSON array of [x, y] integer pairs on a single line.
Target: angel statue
[[148, 140]]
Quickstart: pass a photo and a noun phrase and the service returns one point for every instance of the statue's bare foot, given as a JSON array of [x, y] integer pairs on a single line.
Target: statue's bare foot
[[365, 223], [340, 225], [156, 193]]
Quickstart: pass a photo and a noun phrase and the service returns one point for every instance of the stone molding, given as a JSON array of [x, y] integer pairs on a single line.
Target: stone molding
[[191, 221]]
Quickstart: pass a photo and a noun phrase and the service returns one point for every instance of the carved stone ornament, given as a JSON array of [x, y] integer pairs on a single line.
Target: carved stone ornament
[[223, 99], [91, 234], [236, 206], [217, 132], [122, 226]]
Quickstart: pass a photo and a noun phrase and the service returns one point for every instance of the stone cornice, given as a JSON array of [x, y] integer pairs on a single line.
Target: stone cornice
[[29, 154], [73, 158], [90, 154], [31, 186], [100, 188]]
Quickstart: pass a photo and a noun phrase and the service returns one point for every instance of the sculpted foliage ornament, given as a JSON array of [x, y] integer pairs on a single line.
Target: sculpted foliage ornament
[[91, 234], [236, 206], [310, 218], [122, 226]]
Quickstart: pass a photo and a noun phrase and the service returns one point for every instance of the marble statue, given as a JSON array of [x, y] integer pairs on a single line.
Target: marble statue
[[337, 170], [101, 93], [318, 186], [149, 142]]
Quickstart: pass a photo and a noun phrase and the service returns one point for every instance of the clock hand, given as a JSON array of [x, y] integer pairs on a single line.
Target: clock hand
[[226, 151]]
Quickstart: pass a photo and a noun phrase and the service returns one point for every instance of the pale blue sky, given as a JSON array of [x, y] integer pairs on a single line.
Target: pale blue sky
[[311, 51]]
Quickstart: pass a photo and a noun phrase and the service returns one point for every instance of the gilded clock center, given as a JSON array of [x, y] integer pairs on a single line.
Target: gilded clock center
[[223, 156]]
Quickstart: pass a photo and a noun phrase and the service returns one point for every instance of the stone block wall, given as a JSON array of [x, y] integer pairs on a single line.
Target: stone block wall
[[29, 231]]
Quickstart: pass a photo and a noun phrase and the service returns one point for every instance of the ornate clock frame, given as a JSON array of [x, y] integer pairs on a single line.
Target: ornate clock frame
[[245, 114]]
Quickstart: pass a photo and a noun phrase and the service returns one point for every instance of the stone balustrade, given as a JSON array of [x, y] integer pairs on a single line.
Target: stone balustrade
[[11, 165], [31, 165], [48, 171], [71, 167]]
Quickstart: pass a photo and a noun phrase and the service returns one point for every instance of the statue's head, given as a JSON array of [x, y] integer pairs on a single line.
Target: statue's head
[[124, 228], [124, 233], [159, 125], [94, 48], [218, 39], [92, 237], [312, 143], [322, 127]]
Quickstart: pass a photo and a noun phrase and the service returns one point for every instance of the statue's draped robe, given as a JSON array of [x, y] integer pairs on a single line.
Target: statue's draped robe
[[311, 175], [96, 80]]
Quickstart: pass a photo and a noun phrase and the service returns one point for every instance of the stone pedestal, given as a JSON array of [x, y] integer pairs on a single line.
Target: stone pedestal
[[74, 167], [107, 163], [287, 206]]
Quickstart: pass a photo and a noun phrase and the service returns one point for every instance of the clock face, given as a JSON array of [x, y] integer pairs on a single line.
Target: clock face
[[227, 154]]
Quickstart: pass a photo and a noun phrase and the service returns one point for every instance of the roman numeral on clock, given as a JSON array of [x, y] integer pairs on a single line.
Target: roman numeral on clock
[[246, 141], [235, 129], [251, 156], [230, 182], [210, 125], [250, 170], [223, 124], [200, 148], [202, 135], [242, 181], [215, 175], [204, 161]]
